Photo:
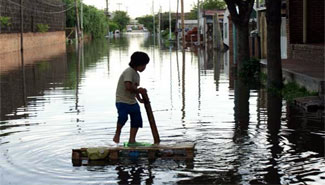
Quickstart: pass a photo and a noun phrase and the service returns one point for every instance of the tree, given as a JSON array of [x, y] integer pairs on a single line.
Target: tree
[[94, 20], [147, 21], [274, 68], [240, 11], [207, 5], [121, 18]]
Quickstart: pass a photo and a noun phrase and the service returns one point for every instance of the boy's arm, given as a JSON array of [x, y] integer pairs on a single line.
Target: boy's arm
[[139, 98], [133, 88]]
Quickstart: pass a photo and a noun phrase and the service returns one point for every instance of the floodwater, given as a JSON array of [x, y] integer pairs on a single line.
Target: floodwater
[[55, 99]]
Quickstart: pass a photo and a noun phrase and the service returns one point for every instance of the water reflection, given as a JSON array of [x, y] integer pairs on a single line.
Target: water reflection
[[242, 136], [274, 113], [37, 72]]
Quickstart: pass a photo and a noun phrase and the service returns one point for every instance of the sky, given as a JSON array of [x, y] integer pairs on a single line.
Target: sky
[[138, 8]]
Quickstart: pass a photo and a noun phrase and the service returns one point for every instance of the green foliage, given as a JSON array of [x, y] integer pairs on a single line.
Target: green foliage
[[250, 72], [95, 21], [292, 90], [165, 21], [147, 21], [70, 14], [121, 19], [5, 21], [42, 27], [213, 4], [207, 5], [112, 26]]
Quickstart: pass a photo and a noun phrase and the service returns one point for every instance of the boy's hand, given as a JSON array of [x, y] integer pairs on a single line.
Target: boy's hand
[[142, 90]]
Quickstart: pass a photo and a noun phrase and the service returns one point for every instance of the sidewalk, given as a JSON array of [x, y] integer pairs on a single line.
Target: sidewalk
[[308, 74]]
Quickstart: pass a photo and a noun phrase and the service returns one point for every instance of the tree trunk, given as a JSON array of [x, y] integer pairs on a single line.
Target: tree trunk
[[243, 46], [274, 68], [240, 11]]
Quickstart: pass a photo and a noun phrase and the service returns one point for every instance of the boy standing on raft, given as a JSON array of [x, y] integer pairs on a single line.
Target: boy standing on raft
[[127, 92]]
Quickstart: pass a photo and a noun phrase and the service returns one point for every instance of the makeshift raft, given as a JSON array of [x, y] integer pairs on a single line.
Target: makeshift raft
[[180, 151]]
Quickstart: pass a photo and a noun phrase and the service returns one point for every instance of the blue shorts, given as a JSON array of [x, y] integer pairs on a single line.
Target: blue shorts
[[124, 109]]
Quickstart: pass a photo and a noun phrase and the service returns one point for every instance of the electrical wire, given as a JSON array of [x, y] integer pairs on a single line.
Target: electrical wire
[[39, 10], [50, 4]]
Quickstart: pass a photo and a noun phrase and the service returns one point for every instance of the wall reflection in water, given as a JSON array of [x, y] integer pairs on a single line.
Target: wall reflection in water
[[29, 75]]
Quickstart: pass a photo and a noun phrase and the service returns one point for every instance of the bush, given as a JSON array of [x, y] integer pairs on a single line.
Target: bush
[[292, 90], [5, 21], [250, 72], [42, 27]]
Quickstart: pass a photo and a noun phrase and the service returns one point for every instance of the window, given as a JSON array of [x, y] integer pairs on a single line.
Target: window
[[225, 28]]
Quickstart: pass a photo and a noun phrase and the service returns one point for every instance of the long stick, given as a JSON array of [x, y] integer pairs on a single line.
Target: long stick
[[151, 119]]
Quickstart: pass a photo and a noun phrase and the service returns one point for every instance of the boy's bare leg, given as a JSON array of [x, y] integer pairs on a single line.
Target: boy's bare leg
[[116, 138], [133, 134]]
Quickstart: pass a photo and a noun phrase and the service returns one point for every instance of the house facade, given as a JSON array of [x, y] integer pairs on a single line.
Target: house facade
[[302, 31]]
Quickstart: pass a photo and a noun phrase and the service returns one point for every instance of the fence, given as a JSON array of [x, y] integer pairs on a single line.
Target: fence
[[38, 15]]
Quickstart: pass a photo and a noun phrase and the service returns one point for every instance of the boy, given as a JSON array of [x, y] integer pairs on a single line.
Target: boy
[[127, 92]]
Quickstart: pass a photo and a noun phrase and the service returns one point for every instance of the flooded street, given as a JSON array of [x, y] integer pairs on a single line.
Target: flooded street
[[59, 99]]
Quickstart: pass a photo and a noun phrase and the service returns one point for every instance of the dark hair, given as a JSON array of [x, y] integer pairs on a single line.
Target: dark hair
[[139, 58]]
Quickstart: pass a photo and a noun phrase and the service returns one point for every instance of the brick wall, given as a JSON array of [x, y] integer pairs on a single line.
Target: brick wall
[[11, 41], [314, 48], [296, 21], [315, 21], [50, 12]]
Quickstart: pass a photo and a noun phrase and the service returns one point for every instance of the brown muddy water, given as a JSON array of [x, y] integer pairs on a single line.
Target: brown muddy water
[[58, 99]]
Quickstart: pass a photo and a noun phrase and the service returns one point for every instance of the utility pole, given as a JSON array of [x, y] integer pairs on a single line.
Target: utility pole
[[153, 19], [198, 23], [78, 23], [182, 17], [21, 26], [106, 6], [119, 6], [170, 24], [176, 26], [107, 14], [81, 19], [159, 22]]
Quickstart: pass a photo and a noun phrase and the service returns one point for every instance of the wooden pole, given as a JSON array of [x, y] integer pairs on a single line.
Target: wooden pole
[[151, 119], [77, 20], [81, 20], [198, 23], [182, 17], [170, 24], [21, 26]]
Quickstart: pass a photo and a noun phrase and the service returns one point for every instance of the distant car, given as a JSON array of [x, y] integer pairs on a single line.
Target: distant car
[[117, 32], [129, 30]]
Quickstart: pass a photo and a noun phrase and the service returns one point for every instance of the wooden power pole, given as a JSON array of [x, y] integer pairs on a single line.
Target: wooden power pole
[[78, 23], [182, 17], [21, 26]]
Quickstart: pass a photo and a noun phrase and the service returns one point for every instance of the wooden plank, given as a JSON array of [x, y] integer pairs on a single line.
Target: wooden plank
[[158, 147], [175, 151]]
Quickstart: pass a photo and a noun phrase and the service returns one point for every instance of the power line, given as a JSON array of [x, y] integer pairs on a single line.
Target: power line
[[47, 3], [39, 10]]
